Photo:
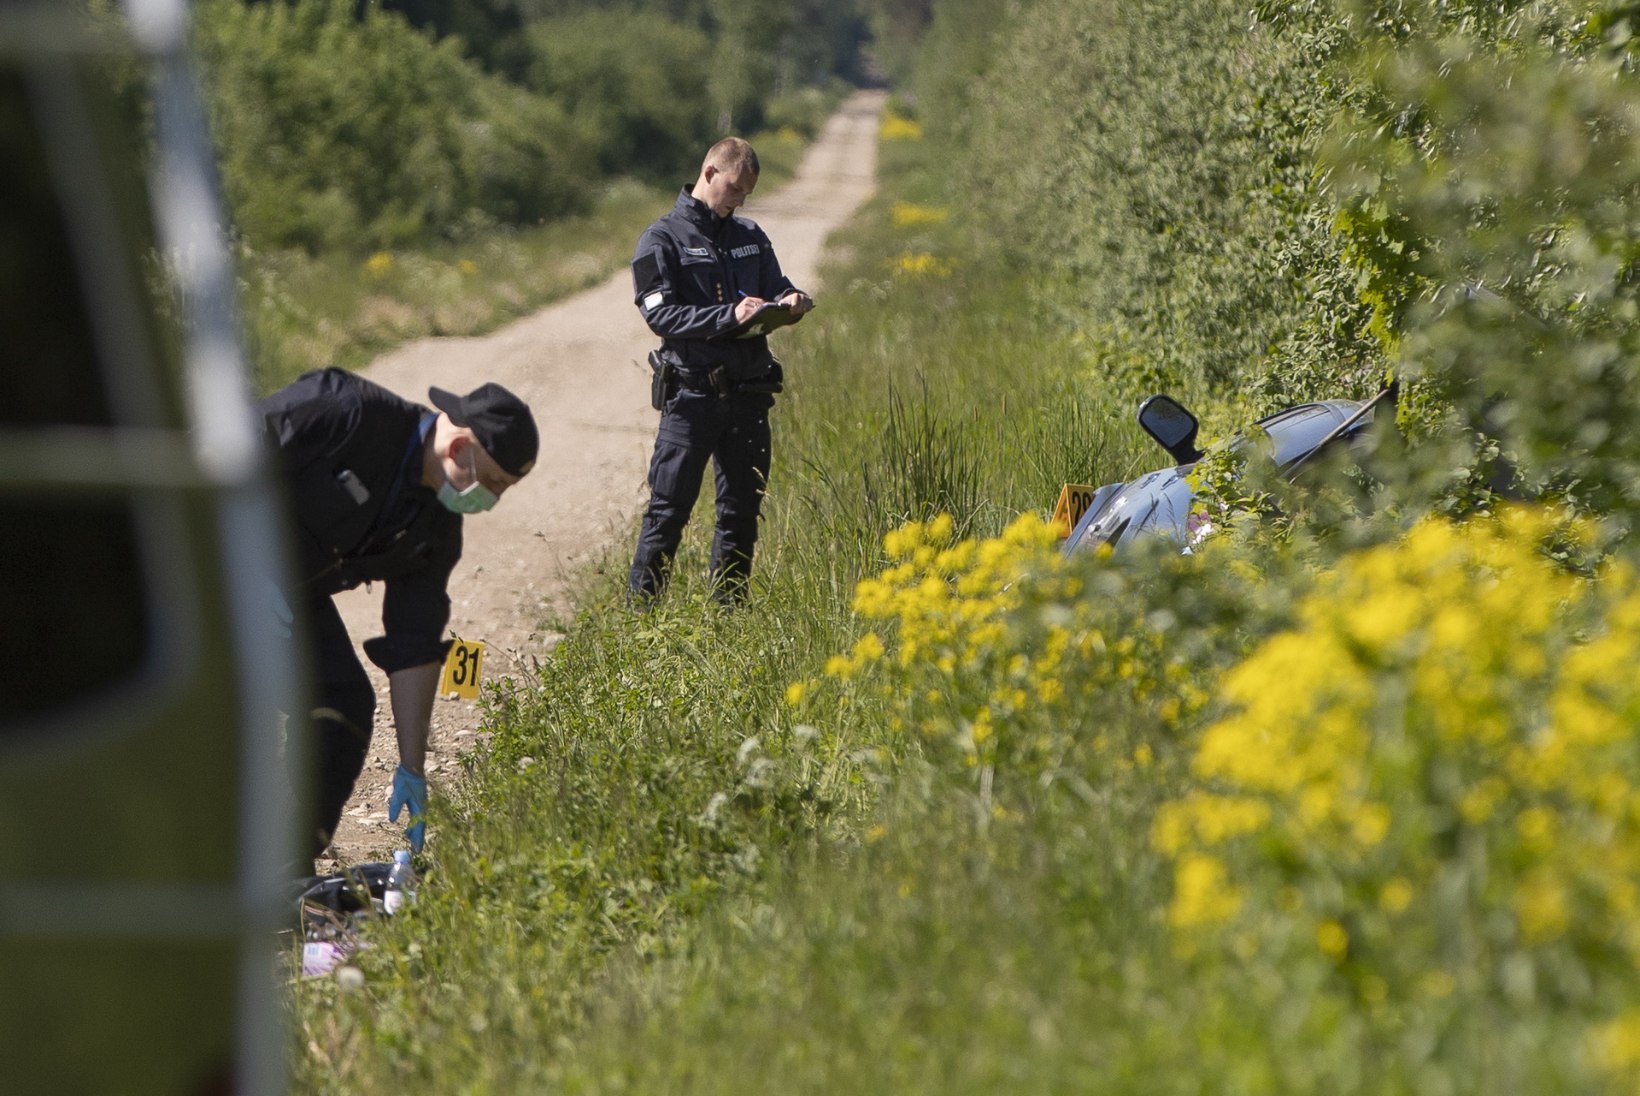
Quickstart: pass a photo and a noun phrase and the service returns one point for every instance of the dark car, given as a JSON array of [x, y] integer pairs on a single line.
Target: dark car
[[1158, 503], [143, 836]]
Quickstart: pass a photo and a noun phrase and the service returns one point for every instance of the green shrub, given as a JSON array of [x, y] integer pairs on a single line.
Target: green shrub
[[804, 111], [344, 131], [635, 87], [1517, 178], [1427, 785], [1140, 159]]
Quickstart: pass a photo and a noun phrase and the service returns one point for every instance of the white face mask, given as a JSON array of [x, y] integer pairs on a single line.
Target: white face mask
[[475, 498]]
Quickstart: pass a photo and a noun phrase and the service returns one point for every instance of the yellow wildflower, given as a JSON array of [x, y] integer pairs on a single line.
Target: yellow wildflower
[[906, 214], [1202, 894], [897, 127], [1541, 905], [921, 264], [1616, 1044], [1332, 939], [1395, 896]]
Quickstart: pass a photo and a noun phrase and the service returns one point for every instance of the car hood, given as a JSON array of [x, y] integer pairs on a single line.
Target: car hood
[[1158, 503]]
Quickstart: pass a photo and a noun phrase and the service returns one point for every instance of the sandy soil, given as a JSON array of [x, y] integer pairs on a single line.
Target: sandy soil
[[580, 364]]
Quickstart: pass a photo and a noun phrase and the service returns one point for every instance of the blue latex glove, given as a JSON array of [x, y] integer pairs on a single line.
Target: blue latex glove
[[409, 790]]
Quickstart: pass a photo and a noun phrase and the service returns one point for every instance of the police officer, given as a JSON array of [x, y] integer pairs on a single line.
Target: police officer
[[700, 274], [377, 488]]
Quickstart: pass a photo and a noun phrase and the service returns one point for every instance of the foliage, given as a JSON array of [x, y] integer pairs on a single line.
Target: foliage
[[302, 312], [1337, 803], [1429, 781], [488, 30], [1143, 160], [802, 112], [898, 35], [1003, 657], [341, 132], [636, 89], [356, 126], [1528, 194]]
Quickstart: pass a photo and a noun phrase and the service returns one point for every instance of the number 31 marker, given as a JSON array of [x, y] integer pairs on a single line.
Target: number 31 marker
[[462, 669]]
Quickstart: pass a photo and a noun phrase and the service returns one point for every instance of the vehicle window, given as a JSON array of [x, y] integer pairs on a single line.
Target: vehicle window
[[1116, 533], [77, 618], [1302, 411]]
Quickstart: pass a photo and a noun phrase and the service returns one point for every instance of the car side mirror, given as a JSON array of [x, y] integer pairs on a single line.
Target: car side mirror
[[1172, 426]]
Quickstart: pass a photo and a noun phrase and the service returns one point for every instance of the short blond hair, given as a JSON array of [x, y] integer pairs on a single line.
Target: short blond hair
[[732, 154]]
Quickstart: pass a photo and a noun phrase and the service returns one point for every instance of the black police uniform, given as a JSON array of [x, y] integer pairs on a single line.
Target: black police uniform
[[350, 453], [690, 269]]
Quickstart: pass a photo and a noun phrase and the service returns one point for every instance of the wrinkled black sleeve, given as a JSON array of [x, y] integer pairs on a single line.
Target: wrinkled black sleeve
[[305, 421], [415, 612], [659, 292]]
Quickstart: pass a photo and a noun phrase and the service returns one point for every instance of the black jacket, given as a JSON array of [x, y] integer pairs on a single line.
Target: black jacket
[[690, 269], [350, 454]]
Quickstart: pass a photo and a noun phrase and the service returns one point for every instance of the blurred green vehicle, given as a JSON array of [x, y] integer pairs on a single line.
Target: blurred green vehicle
[[144, 835]]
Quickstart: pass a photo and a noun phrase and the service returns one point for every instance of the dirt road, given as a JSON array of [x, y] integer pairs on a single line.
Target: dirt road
[[580, 364]]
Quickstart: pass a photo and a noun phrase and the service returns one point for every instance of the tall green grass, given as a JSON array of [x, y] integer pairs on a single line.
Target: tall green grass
[[652, 779]]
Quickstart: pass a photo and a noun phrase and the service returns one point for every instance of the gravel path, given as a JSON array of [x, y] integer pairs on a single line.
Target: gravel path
[[580, 364]]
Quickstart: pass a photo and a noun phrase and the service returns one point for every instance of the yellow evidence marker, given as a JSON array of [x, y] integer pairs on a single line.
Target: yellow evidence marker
[[463, 667], [1074, 500]]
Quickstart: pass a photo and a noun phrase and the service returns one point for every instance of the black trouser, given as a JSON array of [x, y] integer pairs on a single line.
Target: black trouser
[[733, 433], [343, 715]]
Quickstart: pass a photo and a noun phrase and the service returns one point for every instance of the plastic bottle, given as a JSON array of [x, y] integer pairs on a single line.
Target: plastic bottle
[[401, 883]]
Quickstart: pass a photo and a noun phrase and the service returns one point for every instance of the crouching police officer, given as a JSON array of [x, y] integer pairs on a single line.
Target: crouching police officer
[[700, 274], [377, 488]]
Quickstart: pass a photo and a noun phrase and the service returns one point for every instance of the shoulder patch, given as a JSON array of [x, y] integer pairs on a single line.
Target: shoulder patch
[[646, 274], [698, 252]]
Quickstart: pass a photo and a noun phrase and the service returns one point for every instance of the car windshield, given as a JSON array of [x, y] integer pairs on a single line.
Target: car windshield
[[1295, 432]]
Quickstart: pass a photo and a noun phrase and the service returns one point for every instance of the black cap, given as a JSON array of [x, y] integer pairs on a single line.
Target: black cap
[[500, 421]]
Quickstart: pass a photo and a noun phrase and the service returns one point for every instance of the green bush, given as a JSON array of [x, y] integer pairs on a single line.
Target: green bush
[[804, 111], [1517, 176], [1140, 159], [636, 89], [344, 131]]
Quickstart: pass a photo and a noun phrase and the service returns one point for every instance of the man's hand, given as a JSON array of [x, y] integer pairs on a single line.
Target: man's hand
[[409, 790], [799, 303], [411, 694]]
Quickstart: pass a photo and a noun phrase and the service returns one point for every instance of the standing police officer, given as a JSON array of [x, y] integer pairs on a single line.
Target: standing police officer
[[700, 274], [377, 486]]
